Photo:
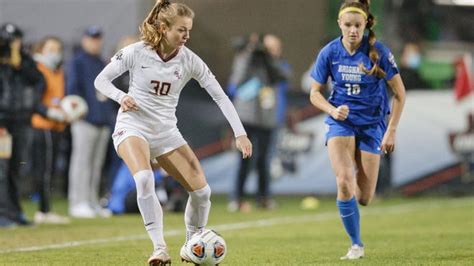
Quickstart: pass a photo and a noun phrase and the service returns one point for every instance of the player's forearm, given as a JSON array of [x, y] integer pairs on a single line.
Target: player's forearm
[[103, 83], [318, 100], [398, 103], [231, 115]]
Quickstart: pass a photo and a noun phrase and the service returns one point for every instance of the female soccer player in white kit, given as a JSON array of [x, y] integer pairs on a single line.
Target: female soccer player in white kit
[[160, 65]]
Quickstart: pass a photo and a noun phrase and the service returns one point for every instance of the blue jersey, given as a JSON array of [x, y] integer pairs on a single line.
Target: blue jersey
[[366, 95]]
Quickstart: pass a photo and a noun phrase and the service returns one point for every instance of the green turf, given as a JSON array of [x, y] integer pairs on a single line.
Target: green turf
[[423, 231]]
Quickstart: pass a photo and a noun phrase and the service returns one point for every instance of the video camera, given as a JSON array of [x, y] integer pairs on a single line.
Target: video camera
[[254, 42]]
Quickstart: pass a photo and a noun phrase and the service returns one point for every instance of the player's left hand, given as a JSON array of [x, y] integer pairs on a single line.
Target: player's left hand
[[244, 145], [388, 142], [128, 104]]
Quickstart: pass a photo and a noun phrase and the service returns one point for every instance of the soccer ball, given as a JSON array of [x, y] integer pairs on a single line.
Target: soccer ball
[[74, 106], [206, 248]]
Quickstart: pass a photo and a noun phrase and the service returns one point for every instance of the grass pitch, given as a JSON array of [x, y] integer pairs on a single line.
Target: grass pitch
[[422, 231]]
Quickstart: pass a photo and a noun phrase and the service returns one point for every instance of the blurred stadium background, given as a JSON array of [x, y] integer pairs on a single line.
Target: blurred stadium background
[[442, 28], [435, 145]]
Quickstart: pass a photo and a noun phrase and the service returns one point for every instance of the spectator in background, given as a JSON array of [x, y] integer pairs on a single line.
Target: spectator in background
[[48, 130], [90, 135], [258, 85], [19, 85], [275, 49], [410, 63]]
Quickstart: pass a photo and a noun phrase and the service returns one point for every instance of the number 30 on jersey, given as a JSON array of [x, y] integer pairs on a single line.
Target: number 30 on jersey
[[160, 88]]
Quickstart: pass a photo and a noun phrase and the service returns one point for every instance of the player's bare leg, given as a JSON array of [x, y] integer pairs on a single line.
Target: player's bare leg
[[367, 171], [342, 156], [183, 165], [136, 154], [367, 175], [342, 153]]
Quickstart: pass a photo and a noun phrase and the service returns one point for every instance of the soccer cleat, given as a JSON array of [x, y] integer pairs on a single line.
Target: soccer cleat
[[184, 257], [355, 252], [159, 257]]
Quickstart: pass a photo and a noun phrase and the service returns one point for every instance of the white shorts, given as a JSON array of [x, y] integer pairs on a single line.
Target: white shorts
[[159, 145]]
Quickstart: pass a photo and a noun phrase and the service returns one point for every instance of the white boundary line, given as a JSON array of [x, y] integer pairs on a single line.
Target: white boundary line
[[402, 208]]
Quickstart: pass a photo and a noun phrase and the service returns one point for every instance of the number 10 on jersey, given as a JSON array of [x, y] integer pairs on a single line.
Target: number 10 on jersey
[[353, 89], [160, 88]]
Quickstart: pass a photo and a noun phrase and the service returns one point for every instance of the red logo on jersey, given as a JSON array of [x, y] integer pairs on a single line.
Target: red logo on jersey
[[119, 133], [177, 74]]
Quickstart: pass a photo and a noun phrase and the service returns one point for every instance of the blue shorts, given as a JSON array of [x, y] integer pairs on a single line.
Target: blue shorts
[[367, 137]]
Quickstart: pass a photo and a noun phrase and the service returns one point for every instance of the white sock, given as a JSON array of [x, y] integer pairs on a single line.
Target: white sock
[[150, 207], [197, 210]]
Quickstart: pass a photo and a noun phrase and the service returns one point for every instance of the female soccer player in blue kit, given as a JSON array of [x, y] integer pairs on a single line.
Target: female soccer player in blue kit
[[357, 134]]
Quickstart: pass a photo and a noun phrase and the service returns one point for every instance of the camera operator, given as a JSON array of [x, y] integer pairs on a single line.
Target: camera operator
[[20, 81], [258, 85]]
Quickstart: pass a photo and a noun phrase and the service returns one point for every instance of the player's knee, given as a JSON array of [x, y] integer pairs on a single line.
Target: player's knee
[[145, 183], [201, 195], [344, 184]]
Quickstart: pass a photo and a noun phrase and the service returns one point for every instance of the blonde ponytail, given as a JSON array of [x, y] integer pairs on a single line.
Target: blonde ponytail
[[164, 12]]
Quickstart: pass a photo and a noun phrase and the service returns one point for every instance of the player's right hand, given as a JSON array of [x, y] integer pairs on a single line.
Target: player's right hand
[[244, 145], [128, 104], [340, 113]]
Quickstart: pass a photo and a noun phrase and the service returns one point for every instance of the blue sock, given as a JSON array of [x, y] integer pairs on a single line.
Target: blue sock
[[349, 212]]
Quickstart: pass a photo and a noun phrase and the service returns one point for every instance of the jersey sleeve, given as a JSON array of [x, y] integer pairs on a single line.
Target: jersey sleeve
[[200, 71], [124, 58], [387, 62], [321, 68], [121, 62]]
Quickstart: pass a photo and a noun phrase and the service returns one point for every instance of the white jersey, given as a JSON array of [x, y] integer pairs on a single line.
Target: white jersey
[[156, 84]]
